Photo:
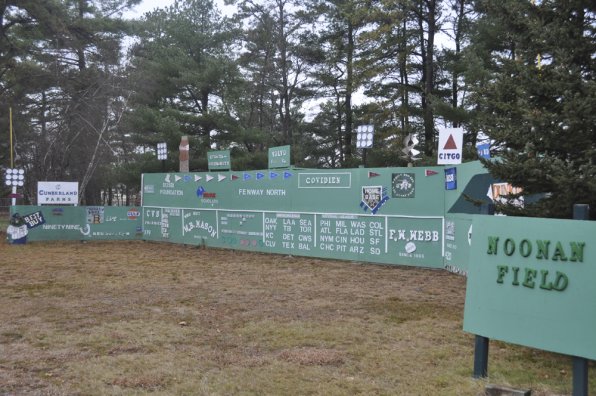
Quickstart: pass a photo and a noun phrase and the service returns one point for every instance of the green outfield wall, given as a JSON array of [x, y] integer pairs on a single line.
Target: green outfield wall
[[404, 216], [381, 215]]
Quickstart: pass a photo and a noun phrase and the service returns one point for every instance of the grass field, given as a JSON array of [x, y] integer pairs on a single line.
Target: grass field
[[130, 318]]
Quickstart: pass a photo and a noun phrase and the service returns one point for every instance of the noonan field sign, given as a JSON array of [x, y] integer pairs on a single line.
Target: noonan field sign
[[531, 282]]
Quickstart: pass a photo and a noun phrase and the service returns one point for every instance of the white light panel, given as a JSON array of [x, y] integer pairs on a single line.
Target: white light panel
[[162, 151], [14, 177], [364, 136]]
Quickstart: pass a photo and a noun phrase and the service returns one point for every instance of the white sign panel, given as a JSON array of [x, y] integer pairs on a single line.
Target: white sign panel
[[450, 146], [57, 193]]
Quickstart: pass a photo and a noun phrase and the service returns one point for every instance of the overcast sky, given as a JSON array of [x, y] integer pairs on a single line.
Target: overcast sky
[[150, 5], [146, 6]]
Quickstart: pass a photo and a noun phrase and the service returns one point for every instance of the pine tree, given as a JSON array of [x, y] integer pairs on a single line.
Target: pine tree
[[533, 71], [181, 69], [60, 73]]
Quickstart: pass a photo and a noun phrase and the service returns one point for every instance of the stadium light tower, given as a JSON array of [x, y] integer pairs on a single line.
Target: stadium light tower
[[14, 178], [162, 154], [364, 139]]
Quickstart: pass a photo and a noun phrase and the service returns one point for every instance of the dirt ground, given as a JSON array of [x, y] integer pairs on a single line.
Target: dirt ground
[[111, 318]]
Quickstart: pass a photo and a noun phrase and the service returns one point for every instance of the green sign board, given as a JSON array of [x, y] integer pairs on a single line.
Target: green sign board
[[531, 282], [219, 160], [279, 157]]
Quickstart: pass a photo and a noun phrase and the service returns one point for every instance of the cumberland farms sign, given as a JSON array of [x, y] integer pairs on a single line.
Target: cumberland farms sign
[[531, 282]]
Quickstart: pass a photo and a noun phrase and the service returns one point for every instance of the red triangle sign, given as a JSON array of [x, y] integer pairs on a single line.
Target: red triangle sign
[[234, 177], [428, 172], [373, 174], [450, 145]]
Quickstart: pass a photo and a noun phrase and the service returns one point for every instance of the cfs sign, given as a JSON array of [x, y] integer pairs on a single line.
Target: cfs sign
[[450, 146]]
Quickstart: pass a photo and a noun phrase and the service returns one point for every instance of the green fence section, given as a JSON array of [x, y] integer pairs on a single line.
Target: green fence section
[[458, 242], [532, 283], [382, 215], [81, 222], [461, 205]]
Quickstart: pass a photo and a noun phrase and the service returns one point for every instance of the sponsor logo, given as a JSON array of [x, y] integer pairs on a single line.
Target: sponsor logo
[[57, 211], [201, 193], [34, 219], [133, 214], [403, 185], [451, 179], [373, 197]]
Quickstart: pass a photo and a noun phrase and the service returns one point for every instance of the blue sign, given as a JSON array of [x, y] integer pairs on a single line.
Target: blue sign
[[483, 150], [34, 219], [451, 179]]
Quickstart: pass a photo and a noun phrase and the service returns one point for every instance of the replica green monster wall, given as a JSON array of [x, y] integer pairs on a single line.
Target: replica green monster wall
[[383, 215]]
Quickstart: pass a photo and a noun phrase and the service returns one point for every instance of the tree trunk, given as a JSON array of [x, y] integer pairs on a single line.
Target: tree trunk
[[428, 65], [458, 39], [349, 91], [404, 81]]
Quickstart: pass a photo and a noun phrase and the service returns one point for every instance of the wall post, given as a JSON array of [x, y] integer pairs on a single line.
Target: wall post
[[580, 365]]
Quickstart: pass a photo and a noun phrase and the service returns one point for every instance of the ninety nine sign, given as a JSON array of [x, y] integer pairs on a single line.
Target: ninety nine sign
[[531, 282], [57, 193]]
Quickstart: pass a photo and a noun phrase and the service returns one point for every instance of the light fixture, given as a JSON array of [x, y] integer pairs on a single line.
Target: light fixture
[[364, 136], [162, 151], [14, 177]]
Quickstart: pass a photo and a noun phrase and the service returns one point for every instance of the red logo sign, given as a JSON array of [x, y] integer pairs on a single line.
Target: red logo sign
[[133, 214]]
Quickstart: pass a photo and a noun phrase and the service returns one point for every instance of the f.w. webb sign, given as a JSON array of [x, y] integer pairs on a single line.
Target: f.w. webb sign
[[531, 282]]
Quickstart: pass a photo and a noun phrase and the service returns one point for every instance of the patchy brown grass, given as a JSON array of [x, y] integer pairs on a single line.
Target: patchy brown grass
[[129, 318]]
